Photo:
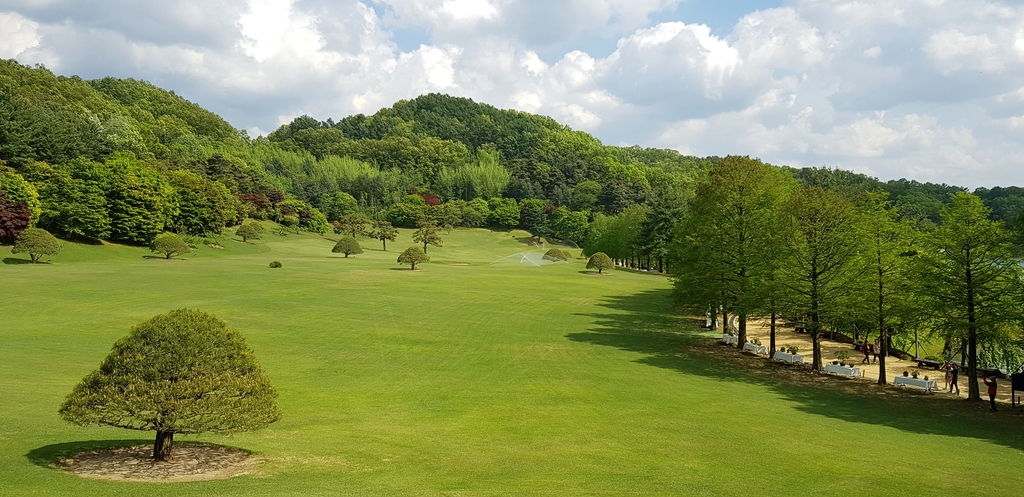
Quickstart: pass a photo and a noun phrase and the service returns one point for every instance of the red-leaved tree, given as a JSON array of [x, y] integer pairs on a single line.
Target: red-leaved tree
[[14, 218]]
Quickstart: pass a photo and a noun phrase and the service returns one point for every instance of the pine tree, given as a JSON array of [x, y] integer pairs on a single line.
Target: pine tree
[[184, 372]]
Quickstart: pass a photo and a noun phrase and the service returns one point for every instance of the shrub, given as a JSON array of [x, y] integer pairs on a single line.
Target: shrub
[[555, 255], [275, 264]]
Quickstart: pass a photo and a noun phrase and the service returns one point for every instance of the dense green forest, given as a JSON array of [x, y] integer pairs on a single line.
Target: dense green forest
[[123, 160]]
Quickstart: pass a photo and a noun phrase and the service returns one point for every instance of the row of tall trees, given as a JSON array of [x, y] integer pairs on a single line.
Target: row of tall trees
[[757, 243]]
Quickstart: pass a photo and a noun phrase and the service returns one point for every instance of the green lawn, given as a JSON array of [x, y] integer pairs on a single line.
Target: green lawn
[[463, 379]]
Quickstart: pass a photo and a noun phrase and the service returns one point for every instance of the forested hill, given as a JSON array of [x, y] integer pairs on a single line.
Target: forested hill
[[121, 159]]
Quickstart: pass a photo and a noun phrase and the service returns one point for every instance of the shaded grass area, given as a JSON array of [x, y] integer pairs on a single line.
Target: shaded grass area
[[470, 379]]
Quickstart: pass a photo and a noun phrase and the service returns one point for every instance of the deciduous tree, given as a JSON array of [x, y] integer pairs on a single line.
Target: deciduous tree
[[971, 280], [36, 242]]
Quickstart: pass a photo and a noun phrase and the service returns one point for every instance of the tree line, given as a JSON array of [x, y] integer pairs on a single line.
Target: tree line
[[757, 243]]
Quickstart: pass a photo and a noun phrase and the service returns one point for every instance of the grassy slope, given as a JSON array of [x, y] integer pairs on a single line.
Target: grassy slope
[[458, 379]]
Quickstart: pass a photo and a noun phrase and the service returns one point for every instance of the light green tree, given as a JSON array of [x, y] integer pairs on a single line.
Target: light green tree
[[427, 234], [249, 230], [413, 256], [36, 242], [184, 372], [383, 231], [818, 269], [169, 245], [971, 281]]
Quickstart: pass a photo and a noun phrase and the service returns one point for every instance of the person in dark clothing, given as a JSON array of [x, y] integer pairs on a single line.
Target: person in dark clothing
[[864, 350], [990, 382], [954, 374]]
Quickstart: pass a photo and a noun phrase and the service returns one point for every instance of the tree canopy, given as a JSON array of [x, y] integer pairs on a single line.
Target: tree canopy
[[184, 372], [347, 245], [169, 245], [413, 256], [36, 242]]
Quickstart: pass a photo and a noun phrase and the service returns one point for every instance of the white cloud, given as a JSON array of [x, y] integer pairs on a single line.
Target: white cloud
[[933, 89], [19, 34]]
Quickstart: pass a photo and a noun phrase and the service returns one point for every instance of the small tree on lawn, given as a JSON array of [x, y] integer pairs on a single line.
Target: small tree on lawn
[[427, 234], [36, 242], [181, 372], [556, 255], [600, 261], [383, 231], [250, 230], [347, 245], [170, 245], [353, 224], [413, 256]]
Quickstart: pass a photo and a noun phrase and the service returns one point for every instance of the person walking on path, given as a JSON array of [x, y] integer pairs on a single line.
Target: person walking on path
[[990, 382], [954, 375], [876, 349], [949, 375], [864, 350], [873, 352]]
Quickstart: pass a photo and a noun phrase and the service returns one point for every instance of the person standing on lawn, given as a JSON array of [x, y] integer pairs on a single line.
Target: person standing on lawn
[[990, 382], [954, 376]]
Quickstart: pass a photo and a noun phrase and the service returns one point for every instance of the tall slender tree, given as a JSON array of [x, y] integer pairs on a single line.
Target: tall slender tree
[[971, 280], [730, 232], [819, 267], [889, 249]]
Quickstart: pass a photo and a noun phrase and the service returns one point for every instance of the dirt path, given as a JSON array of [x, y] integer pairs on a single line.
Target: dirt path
[[785, 337]]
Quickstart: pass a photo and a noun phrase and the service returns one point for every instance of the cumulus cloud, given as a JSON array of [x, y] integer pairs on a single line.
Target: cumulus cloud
[[923, 88]]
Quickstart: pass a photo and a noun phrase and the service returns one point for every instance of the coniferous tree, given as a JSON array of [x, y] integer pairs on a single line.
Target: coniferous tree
[[184, 372], [820, 263], [427, 234], [383, 231], [971, 281]]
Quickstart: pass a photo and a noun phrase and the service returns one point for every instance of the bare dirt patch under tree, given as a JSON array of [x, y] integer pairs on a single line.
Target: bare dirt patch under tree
[[191, 462]]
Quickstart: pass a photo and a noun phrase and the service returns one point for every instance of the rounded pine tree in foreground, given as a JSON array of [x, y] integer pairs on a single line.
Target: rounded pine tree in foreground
[[600, 261], [413, 256], [36, 242], [347, 245], [181, 372]]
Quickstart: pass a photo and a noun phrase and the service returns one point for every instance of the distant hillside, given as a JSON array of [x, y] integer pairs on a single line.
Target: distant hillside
[[123, 159]]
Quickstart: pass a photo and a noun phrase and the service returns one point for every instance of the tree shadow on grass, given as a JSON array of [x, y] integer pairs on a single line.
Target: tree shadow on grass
[[16, 261], [645, 323], [48, 456]]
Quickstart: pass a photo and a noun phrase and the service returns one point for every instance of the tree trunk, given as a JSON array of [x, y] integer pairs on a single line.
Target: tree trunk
[[164, 444], [385, 242], [771, 335], [424, 247], [973, 392], [346, 255], [742, 332], [881, 326], [883, 343]]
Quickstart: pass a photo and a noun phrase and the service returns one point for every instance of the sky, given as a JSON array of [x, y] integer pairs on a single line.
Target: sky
[[931, 90]]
